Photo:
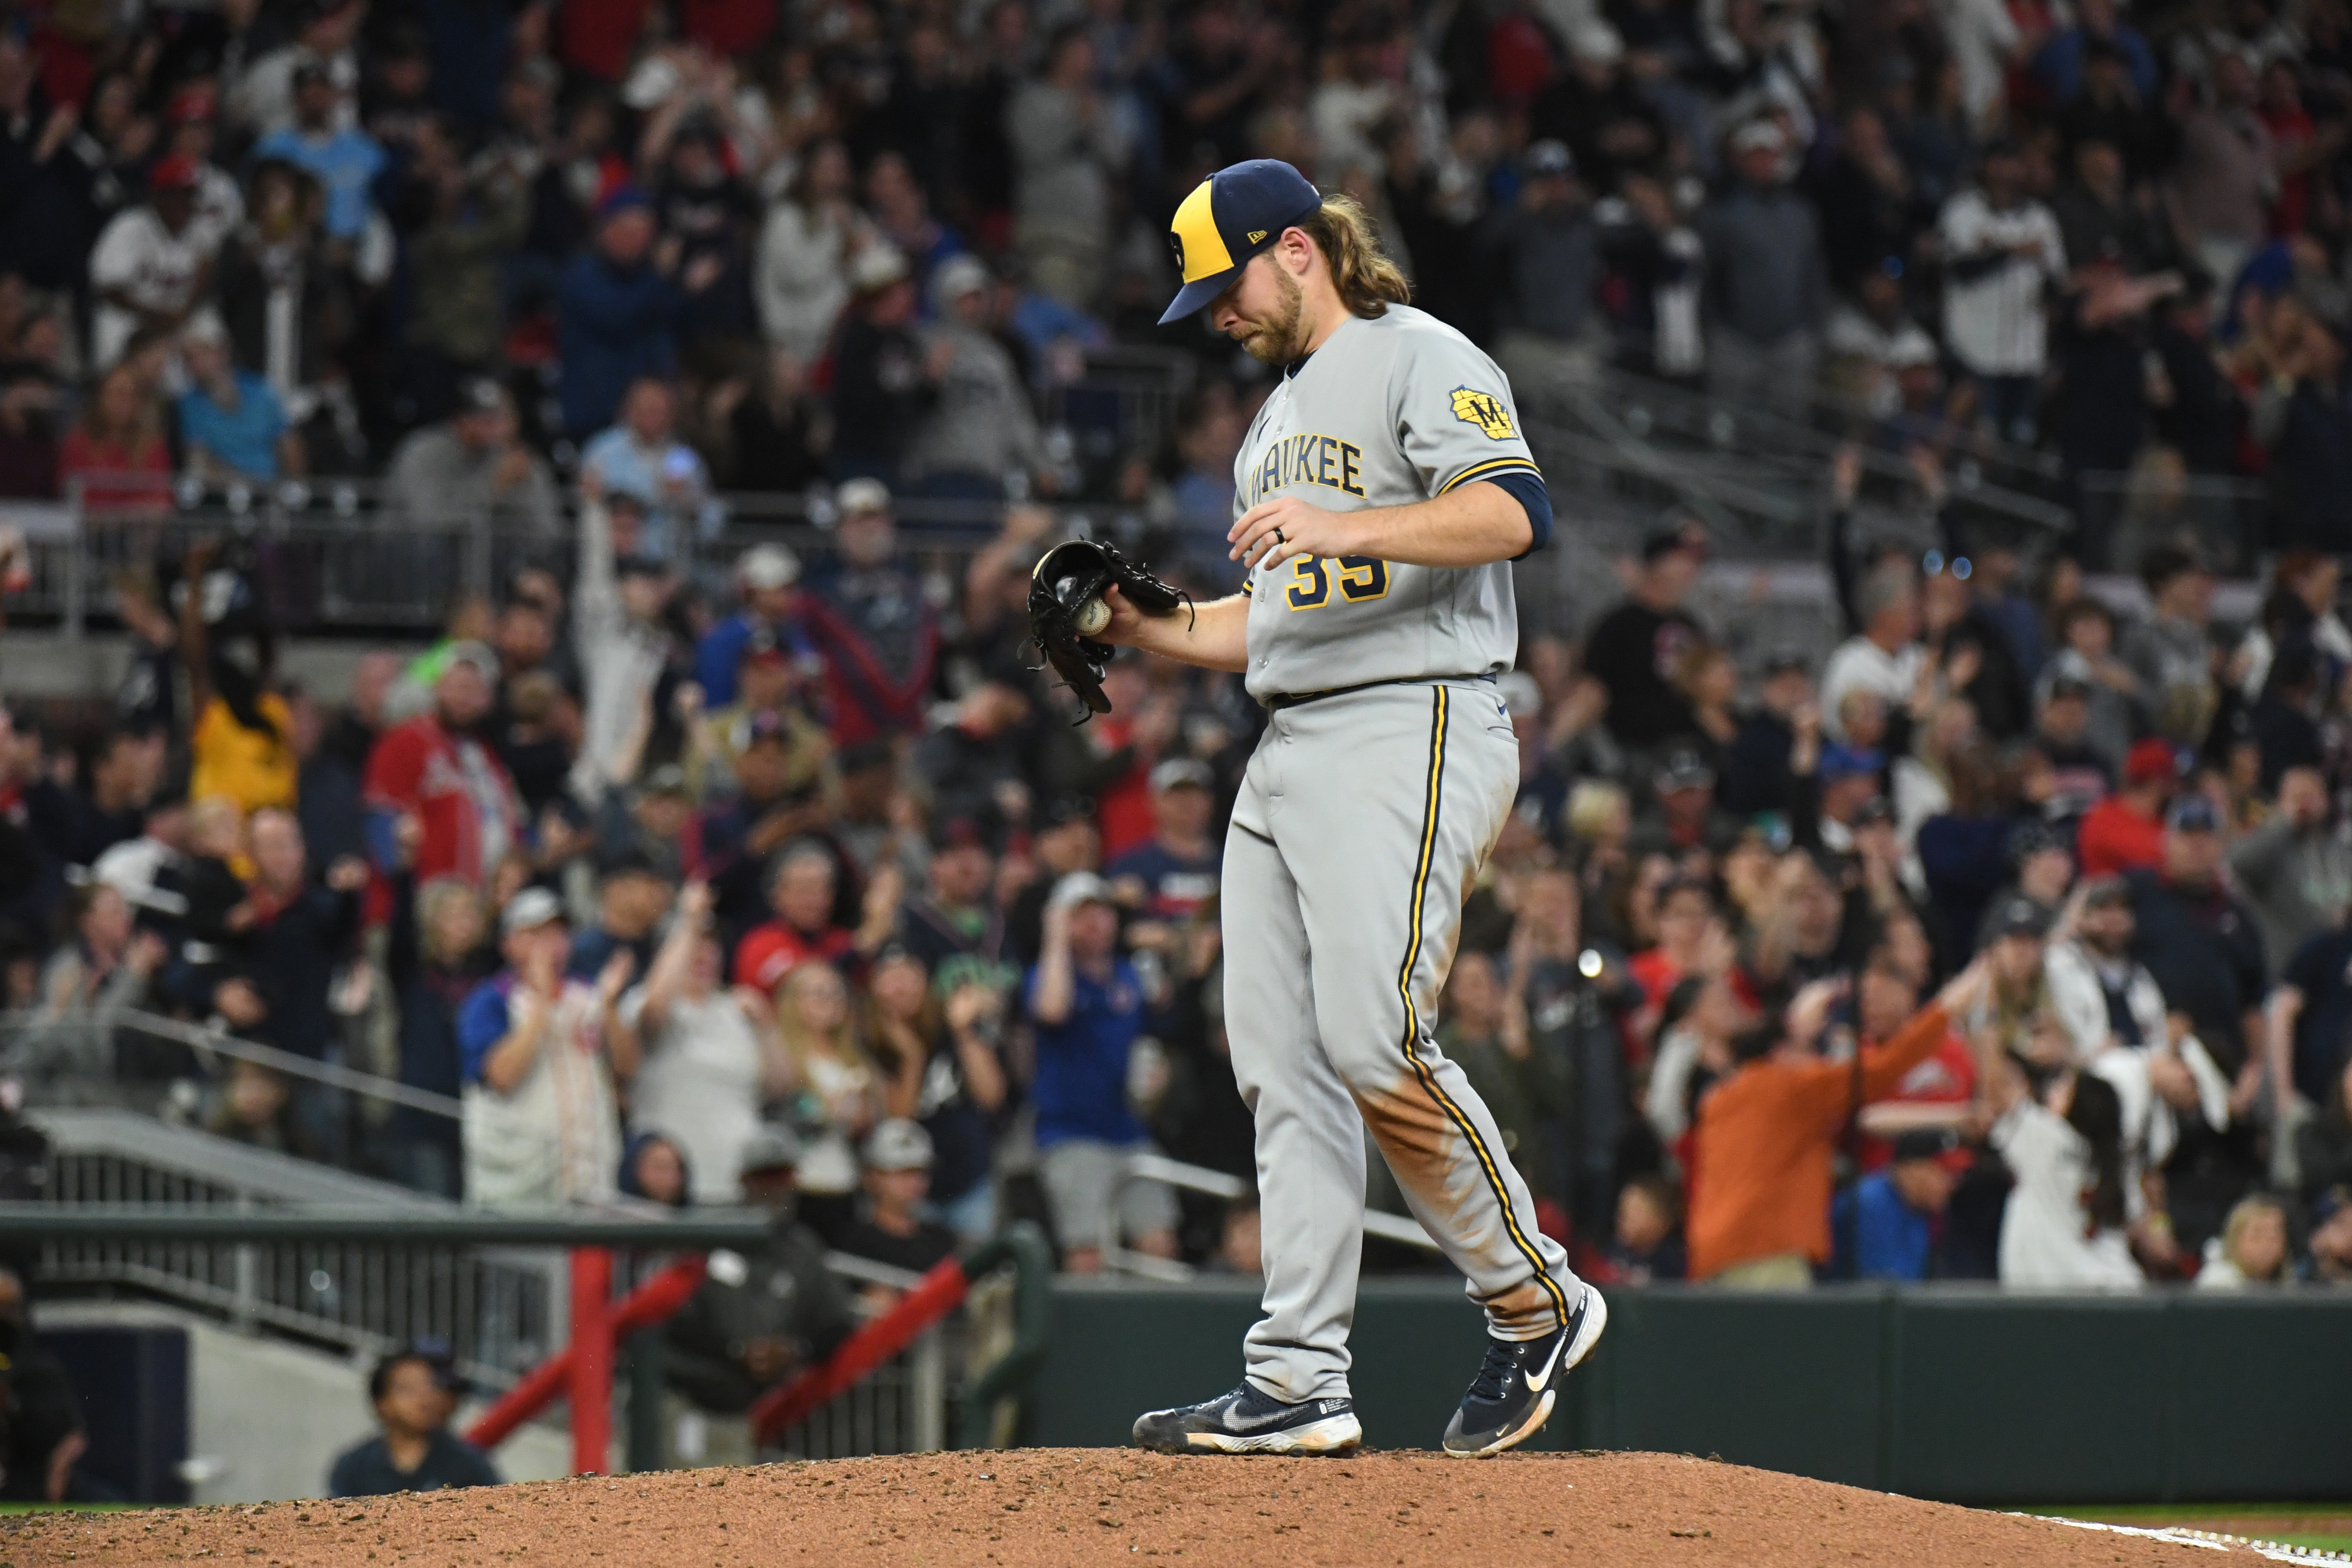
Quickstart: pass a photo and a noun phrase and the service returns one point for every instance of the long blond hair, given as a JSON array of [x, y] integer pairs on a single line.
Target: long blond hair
[[1367, 280], [804, 1042]]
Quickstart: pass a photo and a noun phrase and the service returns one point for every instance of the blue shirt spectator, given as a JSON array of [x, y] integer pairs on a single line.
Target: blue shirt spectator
[[1885, 1224], [344, 160], [619, 315], [237, 421], [1080, 1089], [641, 456]]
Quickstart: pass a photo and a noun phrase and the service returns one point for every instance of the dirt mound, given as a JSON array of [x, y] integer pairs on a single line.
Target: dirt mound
[[1099, 1506]]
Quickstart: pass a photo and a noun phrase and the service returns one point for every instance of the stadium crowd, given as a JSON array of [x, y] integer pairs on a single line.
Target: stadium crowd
[[791, 880]]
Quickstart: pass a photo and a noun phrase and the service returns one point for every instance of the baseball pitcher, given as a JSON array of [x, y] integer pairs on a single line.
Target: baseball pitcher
[[1381, 496]]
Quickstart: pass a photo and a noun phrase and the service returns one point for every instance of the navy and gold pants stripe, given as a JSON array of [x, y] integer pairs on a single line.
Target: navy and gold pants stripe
[[1362, 822]]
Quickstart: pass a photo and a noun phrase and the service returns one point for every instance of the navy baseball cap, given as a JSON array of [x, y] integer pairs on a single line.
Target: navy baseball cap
[[1231, 216]]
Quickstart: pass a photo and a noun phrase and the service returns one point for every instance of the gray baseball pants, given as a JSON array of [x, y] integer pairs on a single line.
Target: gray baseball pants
[[1362, 822]]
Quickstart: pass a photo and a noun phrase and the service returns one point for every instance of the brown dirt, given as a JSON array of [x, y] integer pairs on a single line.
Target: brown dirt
[[1057, 1507]]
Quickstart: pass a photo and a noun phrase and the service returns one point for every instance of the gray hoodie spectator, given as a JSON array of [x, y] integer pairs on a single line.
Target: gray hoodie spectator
[[982, 427]]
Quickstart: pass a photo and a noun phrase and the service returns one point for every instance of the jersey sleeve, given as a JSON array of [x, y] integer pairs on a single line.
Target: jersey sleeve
[[395, 768], [1454, 415]]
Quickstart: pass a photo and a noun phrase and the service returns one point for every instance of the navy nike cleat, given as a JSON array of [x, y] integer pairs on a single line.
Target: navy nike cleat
[[1517, 1386], [1248, 1422]]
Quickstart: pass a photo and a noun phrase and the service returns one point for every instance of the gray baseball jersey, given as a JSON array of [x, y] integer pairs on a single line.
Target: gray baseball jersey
[[1389, 411]]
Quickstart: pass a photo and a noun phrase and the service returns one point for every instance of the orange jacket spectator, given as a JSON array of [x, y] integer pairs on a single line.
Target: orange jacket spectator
[[1761, 1179]]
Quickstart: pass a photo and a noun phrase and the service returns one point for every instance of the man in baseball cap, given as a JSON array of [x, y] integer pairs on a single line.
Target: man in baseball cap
[[897, 1178], [2125, 832], [767, 576], [1234, 214]]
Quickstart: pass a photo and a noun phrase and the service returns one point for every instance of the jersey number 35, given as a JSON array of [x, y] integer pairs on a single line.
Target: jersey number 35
[[1359, 578]]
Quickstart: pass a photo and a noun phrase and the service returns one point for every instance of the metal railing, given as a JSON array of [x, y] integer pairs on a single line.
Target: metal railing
[[1119, 1258], [2228, 518], [362, 1289]]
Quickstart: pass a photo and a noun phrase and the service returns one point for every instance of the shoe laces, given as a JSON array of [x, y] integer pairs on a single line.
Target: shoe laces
[[1494, 1372]]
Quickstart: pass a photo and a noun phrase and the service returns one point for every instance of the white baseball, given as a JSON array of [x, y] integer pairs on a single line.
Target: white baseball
[[1092, 616]]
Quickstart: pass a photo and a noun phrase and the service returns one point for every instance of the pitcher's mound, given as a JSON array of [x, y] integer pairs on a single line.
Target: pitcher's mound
[[1060, 1506]]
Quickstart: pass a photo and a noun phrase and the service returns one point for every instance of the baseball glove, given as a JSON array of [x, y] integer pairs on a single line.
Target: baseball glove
[[1067, 611]]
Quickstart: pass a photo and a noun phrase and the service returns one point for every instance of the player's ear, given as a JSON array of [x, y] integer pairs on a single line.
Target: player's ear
[[1296, 251]]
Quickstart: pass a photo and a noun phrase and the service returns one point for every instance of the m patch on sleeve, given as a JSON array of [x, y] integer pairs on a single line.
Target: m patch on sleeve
[[1485, 410]]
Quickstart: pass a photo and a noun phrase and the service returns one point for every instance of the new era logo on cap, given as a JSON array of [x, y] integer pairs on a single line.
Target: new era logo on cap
[[1229, 218]]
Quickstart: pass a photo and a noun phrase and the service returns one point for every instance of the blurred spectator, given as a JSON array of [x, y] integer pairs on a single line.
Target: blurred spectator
[[980, 431], [116, 451], [414, 1390], [1766, 275], [1759, 1215], [2125, 832], [434, 958], [2227, 168], [440, 801], [2063, 1227], [1087, 1003], [892, 1229], [779, 433], [653, 1168], [767, 576], [886, 378], [47, 1436], [1068, 147], [759, 1317], [149, 267], [1884, 659], [1633, 650], [2001, 250], [2302, 420], [641, 456], [1887, 1223], [1648, 1245], [1526, 1090], [232, 424], [2294, 871], [841, 1095], [619, 311], [343, 159], [1551, 259], [801, 891], [472, 463], [2171, 652], [802, 279], [868, 617], [709, 1056], [2252, 1250], [540, 1061]]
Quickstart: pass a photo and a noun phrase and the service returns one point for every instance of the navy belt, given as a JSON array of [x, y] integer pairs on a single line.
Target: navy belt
[[1281, 700]]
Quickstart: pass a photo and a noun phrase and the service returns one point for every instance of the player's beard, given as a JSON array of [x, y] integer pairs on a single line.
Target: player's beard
[[1275, 340]]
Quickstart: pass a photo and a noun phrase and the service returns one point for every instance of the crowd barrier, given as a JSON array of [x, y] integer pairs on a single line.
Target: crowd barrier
[[1960, 1394]]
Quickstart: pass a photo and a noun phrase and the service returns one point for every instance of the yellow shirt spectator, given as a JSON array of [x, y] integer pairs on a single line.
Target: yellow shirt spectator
[[255, 768]]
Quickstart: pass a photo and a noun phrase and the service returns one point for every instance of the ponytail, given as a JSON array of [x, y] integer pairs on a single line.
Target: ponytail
[[1367, 280]]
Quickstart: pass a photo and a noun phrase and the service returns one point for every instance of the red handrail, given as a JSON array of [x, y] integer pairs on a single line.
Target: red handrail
[[939, 1293], [652, 1302]]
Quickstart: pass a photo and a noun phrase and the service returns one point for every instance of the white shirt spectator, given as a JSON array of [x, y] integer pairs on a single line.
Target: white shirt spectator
[[263, 96], [2043, 1244], [1859, 664], [156, 269], [802, 279], [1993, 323], [554, 1138], [1981, 34], [699, 1087]]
